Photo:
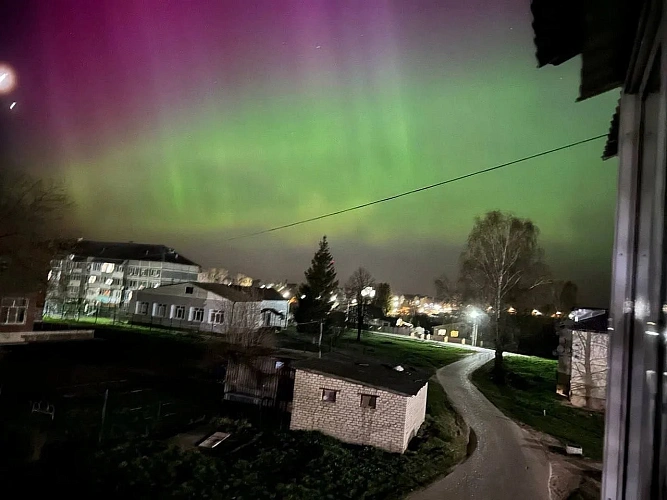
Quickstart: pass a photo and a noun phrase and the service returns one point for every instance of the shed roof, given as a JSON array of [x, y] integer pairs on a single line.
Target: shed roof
[[378, 376]]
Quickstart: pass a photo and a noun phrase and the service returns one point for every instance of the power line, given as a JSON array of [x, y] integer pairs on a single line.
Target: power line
[[419, 190]]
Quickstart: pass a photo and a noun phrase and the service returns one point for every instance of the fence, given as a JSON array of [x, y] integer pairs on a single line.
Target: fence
[[115, 315]]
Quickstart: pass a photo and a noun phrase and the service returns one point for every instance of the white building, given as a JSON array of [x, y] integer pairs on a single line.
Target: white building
[[208, 307], [363, 404], [108, 273]]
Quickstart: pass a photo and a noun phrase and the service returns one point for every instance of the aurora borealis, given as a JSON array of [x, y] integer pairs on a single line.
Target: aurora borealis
[[190, 123]]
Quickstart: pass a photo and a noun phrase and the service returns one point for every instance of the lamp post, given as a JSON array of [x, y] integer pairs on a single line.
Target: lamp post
[[474, 314], [364, 294]]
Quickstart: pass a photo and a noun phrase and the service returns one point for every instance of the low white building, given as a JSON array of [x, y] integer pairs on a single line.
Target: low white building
[[273, 307], [364, 404], [208, 307]]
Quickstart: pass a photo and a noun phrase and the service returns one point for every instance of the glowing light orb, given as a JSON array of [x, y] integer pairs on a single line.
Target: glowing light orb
[[7, 79]]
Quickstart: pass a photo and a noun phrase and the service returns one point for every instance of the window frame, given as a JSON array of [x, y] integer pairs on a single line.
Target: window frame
[[195, 313], [372, 398], [323, 397], [176, 308], [6, 310], [216, 313]]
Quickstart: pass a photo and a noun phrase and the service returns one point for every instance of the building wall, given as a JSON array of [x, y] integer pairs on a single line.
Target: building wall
[[281, 306], [383, 427], [112, 282], [236, 315], [415, 415], [588, 381]]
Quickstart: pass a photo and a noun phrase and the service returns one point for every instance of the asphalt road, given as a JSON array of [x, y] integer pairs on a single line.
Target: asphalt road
[[506, 464]]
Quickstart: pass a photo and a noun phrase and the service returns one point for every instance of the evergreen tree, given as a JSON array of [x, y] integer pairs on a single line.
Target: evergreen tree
[[320, 284]]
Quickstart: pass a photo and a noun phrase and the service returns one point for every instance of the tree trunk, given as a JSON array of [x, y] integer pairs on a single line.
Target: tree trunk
[[360, 318], [498, 366]]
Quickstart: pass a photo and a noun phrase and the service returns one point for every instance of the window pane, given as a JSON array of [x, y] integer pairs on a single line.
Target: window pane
[[368, 401], [328, 395]]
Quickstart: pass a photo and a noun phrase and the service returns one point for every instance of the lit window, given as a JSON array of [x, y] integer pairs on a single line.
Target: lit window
[[92, 279], [217, 317], [368, 401], [329, 395], [142, 307], [107, 267], [196, 314], [13, 311], [178, 312]]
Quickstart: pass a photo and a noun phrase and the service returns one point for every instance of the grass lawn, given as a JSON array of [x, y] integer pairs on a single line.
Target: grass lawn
[[383, 348], [259, 463], [530, 390]]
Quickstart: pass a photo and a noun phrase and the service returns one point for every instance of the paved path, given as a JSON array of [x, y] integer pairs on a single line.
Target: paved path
[[506, 464]]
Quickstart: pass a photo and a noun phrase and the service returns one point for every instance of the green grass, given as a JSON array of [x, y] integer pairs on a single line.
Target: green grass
[[259, 463], [529, 391], [383, 348]]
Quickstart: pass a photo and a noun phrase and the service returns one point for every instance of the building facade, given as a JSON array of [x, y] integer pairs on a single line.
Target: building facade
[[208, 307], [365, 405], [108, 274]]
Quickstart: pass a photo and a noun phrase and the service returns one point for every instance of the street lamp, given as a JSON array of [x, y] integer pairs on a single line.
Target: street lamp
[[474, 314]]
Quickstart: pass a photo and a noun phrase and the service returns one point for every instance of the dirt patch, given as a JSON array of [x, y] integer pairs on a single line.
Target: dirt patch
[[572, 477]]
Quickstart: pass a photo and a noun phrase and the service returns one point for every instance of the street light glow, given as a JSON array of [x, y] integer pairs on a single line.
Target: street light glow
[[11, 106]]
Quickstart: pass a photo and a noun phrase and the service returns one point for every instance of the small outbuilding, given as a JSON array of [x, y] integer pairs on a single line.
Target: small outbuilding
[[360, 403]]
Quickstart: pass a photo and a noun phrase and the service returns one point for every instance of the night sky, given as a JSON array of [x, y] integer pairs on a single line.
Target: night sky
[[188, 123]]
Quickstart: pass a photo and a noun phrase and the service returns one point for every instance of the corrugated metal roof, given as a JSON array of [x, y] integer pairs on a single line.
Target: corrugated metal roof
[[602, 31], [611, 148]]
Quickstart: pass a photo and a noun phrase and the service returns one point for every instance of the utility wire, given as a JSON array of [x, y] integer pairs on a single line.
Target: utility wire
[[419, 190]]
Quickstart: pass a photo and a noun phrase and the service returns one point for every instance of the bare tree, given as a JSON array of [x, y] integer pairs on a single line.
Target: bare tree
[[214, 275], [31, 211], [356, 284], [446, 291], [501, 259], [244, 324]]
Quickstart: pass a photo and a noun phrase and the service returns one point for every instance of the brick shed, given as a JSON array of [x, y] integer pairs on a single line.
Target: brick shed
[[367, 404]]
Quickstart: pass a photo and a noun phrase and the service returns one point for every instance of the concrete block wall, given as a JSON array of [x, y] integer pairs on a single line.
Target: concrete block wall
[[415, 415], [383, 427]]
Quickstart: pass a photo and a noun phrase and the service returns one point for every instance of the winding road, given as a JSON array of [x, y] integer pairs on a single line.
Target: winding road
[[506, 464]]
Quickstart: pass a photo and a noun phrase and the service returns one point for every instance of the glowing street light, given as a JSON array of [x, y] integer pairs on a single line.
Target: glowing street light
[[474, 314], [7, 79]]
